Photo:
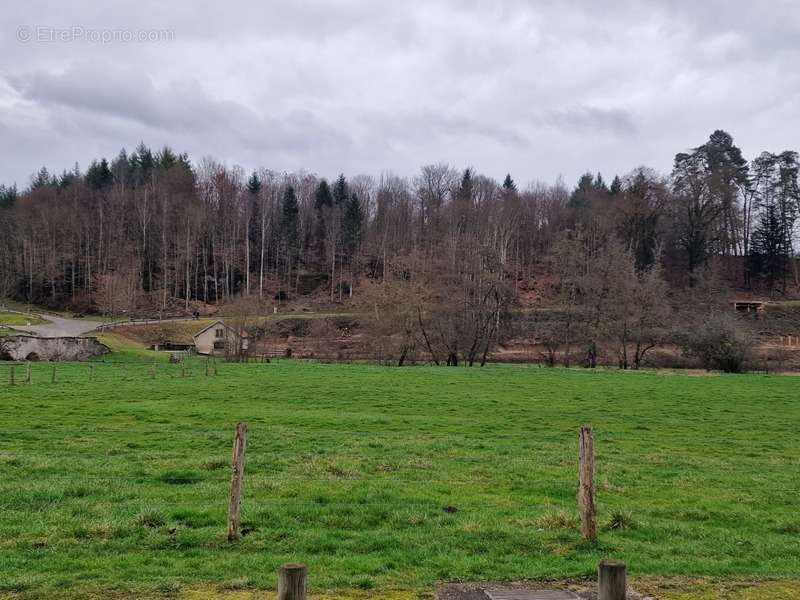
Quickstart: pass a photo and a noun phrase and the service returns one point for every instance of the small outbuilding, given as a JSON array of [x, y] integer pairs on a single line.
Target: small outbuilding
[[749, 306], [220, 339]]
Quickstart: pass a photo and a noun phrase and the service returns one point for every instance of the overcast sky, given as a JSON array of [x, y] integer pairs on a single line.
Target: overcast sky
[[537, 88]]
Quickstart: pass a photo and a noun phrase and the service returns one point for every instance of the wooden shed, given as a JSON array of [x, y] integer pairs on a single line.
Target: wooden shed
[[219, 339]]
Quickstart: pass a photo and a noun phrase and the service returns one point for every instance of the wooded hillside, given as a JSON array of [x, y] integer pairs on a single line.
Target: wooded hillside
[[448, 251], [153, 224]]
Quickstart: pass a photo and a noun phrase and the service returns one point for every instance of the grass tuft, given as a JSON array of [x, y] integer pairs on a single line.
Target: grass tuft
[[179, 477], [558, 519], [621, 519], [214, 465], [151, 519]]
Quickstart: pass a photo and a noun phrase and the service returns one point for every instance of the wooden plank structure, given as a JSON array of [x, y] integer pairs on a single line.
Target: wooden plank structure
[[530, 595], [755, 306]]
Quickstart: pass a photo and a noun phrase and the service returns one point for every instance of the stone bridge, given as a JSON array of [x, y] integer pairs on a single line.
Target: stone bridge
[[21, 347]]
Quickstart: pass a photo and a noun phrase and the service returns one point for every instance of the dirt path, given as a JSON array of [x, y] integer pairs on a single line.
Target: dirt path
[[61, 327]]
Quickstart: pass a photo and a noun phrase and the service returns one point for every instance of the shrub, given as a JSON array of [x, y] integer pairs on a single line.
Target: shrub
[[621, 519], [151, 519], [719, 343], [558, 519]]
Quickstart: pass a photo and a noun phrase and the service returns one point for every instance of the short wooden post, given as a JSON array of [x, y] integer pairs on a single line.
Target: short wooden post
[[11, 376], [28, 375], [215, 367], [53, 376], [206, 367], [292, 582], [586, 483], [239, 445], [611, 580]]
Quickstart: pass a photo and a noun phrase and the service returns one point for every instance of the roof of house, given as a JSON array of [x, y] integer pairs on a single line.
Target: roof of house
[[214, 324]]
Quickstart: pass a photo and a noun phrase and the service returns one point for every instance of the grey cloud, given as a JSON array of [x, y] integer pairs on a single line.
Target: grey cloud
[[536, 87], [590, 119]]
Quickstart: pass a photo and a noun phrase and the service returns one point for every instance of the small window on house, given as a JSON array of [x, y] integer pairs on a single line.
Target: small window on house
[[220, 333]]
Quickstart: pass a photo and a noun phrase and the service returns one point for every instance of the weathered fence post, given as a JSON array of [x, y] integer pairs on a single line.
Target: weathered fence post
[[239, 445], [53, 375], [292, 582], [11, 376], [611, 580], [215, 367], [28, 375], [586, 483]]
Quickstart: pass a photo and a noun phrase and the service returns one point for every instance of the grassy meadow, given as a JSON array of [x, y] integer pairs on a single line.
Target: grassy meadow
[[386, 481], [11, 319]]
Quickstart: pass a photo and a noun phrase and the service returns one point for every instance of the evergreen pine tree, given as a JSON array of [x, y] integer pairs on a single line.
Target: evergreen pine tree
[[323, 196], [166, 159], [254, 184], [289, 222], [508, 184], [98, 175], [769, 256], [582, 194], [42, 179], [340, 191], [8, 196], [143, 163], [616, 186], [254, 232], [353, 225], [599, 184], [122, 169]]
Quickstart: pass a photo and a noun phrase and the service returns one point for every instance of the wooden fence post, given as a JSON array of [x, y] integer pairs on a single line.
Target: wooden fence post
[[91, 372], [239, 445], [28, 376], [11, 376], [586, 483], [292, 582], [611, 580], [53, 375], [215, 367]]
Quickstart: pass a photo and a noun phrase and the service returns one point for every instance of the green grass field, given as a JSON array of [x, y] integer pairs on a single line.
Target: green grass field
[[385, 479], [16, 319]]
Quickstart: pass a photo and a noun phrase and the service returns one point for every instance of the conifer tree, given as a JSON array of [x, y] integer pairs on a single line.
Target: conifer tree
[[340, 191]]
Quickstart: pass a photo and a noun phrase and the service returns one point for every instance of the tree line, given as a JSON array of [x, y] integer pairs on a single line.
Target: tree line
[[151, 230]]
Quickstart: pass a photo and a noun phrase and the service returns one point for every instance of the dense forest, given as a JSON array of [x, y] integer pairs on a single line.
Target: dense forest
[[152, 231]]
